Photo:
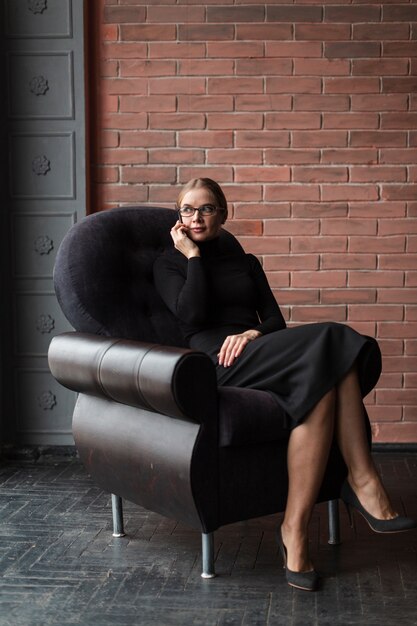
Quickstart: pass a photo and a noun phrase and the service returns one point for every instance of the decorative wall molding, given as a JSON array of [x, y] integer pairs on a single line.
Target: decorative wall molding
[[40, 19], [45, 323], [36, 237], [41, 165], [39, 85], [48, 73], [44, 114], [38, 317], [47, 400], [43, 244], [37, 6], [39, 153]]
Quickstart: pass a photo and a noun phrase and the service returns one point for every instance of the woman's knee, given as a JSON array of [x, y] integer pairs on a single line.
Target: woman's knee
[[351, 376], [325, 409], [329, 400]]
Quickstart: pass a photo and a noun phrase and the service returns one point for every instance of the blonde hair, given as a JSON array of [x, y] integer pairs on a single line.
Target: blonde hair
[[212, 187]]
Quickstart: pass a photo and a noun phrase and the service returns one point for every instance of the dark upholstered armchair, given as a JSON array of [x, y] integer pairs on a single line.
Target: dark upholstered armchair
[[150, 424]]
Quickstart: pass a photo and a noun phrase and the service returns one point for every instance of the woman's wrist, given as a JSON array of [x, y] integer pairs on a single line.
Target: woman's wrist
[[252, 334]]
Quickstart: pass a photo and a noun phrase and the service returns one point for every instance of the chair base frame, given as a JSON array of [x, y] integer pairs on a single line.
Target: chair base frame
[[334, 522], [117, 509], [207, 539]]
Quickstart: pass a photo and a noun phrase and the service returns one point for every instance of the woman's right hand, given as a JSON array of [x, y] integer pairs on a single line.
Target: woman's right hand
[[234, 345], [182, 242]]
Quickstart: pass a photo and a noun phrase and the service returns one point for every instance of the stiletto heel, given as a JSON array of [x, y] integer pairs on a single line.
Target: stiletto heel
[[307, 581], [395, 525], [350, 515]]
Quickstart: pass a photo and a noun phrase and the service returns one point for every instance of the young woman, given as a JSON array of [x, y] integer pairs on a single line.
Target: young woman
[[318, 372]]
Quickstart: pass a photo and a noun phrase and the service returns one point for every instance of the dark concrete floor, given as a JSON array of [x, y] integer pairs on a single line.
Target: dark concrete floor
[[59, 563]]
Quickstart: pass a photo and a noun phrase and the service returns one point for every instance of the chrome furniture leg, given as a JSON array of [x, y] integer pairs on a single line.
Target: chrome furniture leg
[[208, 555], [117, 508], [334, 526]]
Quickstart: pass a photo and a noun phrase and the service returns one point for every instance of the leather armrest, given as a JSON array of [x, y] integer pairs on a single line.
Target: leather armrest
[[173, 381]]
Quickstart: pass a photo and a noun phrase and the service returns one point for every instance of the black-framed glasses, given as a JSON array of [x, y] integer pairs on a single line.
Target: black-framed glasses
[[204, 209]]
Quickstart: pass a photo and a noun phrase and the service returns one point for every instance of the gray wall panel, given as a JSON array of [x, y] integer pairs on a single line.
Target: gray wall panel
[[36, 240], [45, 194], [38, 18], [41, 85], [42, 166], [38, 318], [43, 404]]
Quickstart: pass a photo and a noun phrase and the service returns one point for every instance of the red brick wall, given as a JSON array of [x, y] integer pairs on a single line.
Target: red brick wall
[[306, 113]]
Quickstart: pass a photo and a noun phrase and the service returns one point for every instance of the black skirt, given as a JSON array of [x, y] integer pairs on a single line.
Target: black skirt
[[299, 365]]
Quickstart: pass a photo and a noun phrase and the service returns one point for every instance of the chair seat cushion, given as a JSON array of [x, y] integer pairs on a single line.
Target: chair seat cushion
[[248, 416]]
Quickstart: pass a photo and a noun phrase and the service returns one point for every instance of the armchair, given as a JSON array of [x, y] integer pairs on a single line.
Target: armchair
[[150, 423]]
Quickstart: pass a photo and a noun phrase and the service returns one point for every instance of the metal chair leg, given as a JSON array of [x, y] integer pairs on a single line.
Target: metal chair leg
[[117, 509], [208, 555], [334, 525]]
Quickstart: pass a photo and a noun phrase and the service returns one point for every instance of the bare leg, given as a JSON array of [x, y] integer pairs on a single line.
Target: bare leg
[[351, 437], [308, 451]]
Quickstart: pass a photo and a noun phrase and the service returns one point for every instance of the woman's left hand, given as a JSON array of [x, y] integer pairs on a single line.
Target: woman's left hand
[[234, 345]]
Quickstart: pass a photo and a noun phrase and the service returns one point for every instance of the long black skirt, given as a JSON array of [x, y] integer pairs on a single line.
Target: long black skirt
[[299, 365]]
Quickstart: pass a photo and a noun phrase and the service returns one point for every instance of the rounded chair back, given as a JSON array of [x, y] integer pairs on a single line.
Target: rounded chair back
[[103, 275]]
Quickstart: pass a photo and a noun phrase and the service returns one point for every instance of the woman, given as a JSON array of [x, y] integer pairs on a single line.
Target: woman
[[317, 372]]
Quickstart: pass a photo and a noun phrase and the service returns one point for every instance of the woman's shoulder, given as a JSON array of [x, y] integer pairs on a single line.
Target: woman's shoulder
[[247, 261], [253, 261]]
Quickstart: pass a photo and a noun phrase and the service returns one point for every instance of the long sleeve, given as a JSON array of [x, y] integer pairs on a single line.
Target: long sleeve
[[182, 285], [267, 307], [216, 295]]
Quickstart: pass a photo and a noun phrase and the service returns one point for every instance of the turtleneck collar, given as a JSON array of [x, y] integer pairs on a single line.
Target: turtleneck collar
[[210, 248], [223, 245]]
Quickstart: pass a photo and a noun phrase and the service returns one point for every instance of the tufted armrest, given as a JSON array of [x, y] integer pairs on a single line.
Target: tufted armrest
[[173, 381]]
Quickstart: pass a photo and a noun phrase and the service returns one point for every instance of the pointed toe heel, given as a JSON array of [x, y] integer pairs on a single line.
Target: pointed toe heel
[[395, 525], [306, 581]]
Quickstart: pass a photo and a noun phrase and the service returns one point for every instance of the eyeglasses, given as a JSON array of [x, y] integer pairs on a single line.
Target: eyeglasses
[[204, 209]]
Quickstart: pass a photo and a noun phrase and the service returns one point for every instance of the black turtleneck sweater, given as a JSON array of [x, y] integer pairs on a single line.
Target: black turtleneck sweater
[[215, 295]]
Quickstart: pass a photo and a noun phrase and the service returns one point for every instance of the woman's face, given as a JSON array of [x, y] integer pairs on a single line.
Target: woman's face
[[202, 227]]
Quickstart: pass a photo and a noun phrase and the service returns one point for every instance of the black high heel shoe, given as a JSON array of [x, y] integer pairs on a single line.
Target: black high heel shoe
[[307, 581], [395, 525]]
